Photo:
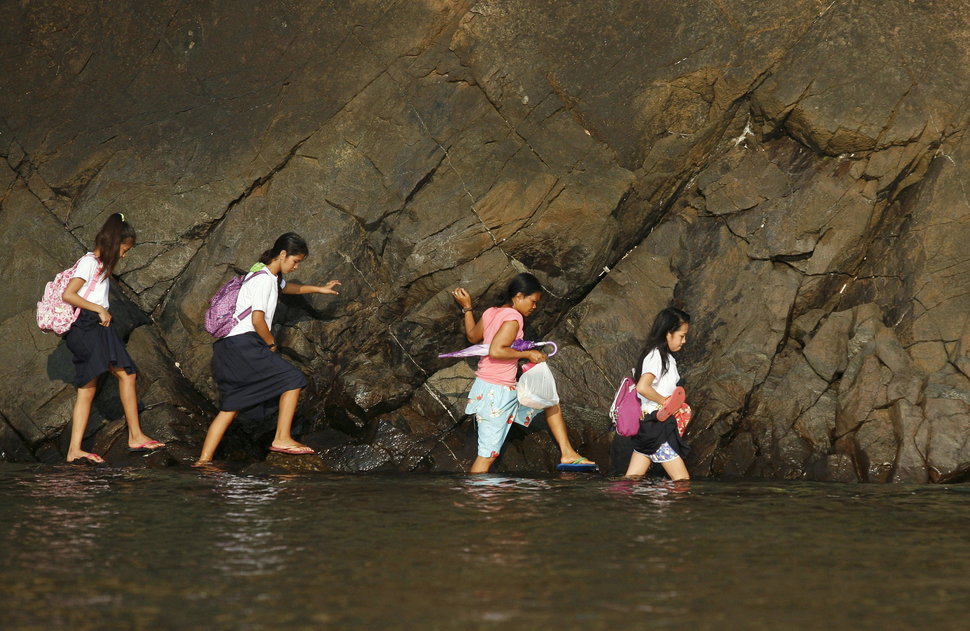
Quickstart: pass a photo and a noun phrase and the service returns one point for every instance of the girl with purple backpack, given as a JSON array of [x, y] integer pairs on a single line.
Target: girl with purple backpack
[[245, 363], [492, 398], [660, 441], [94, 342]]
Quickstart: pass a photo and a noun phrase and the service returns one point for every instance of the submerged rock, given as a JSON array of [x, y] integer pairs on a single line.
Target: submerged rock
[[792, 175]]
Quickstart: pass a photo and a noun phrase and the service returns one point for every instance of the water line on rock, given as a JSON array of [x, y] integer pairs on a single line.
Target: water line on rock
[[434, 395]]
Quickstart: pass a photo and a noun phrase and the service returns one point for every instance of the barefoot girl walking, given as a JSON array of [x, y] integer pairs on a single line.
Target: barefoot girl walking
[[94, 341], [656, 441], [492, 398], [245, 363]]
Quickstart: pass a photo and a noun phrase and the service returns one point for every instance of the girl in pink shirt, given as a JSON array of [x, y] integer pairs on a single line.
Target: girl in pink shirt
[[492, 398]]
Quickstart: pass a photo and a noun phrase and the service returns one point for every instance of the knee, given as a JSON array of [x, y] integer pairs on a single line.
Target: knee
[[126, 377]]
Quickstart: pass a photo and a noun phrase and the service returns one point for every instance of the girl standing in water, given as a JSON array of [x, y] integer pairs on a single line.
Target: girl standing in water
[[660, 441], [245, 363], [492, 398], [94, 342]]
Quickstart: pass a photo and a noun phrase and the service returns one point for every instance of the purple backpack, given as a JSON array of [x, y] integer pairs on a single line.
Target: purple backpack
[[220, 317], [625, 411]]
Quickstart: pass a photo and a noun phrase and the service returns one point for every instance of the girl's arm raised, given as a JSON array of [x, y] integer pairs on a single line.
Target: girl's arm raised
[[501, 346], [297, 288], [645, 388], [71, 297], [259, 323], [474, 331]]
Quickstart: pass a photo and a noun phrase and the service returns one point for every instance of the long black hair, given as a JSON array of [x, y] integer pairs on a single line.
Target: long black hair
[[667, 321], [291, 242], [115, 232], [524, 283]]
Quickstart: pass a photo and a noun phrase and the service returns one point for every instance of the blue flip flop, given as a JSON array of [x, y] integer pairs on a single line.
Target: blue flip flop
[[577, 465]]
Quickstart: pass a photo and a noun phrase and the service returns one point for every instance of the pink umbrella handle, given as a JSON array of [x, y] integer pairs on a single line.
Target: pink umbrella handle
[[555, 348]]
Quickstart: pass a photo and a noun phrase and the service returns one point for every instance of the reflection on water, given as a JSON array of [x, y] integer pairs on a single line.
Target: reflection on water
[[68, 529], [246, 538], [115, 549]]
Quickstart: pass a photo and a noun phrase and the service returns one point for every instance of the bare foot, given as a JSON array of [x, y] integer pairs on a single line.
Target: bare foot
[[85, 457]]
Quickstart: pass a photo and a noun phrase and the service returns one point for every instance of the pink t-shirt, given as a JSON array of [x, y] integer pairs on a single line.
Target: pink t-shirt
[[499, 371]]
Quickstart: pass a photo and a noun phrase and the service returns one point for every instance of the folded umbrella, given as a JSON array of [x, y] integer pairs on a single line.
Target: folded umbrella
[[480, 350]]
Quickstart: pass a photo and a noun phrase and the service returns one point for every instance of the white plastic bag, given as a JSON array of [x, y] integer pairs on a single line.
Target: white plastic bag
[[537, 388]]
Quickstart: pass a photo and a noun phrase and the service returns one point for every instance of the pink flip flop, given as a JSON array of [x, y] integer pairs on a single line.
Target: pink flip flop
[[293, 451], [146, 448], [674, 403]]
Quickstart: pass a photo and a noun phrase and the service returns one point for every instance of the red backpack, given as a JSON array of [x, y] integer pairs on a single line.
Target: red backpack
[[626, 411]]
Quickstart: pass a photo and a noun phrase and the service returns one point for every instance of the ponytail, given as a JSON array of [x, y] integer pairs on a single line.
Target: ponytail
[[113, 234], [291, 242]]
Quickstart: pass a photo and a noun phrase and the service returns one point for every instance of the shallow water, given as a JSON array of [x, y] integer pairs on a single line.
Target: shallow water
[[86, 548]]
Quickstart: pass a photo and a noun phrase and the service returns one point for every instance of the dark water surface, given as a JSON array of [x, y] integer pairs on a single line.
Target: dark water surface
[[86, 548]]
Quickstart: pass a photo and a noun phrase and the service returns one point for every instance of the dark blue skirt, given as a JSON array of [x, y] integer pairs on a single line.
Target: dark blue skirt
[[96, 348], [250, 376]]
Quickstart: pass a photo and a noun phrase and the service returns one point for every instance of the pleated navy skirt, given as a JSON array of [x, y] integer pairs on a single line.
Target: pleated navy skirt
[[96, 348], [250, 376]]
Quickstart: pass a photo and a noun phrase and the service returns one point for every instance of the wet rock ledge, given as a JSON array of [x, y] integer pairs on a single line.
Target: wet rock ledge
[[793, 174]]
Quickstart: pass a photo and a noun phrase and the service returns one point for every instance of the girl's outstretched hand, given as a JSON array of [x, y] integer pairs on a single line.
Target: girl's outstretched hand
[[329, 288], [462, 297]]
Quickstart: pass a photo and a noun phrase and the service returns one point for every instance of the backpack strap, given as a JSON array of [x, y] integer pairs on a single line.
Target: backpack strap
[[245, 312], [94, 279]]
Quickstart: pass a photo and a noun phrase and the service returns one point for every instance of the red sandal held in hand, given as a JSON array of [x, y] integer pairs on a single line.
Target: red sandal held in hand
[[673, 403]]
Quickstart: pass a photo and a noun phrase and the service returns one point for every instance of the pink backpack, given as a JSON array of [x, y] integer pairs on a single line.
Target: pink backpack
[[220, 317], [625, 411], [53, 314]]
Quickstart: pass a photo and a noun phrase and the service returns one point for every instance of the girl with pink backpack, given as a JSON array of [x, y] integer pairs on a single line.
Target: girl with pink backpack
[[246, 363], [660, 441], [493, 399], [94, 342]]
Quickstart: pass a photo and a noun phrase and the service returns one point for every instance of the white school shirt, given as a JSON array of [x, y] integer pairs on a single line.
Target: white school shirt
[[260, 291], [86, 270], [664, 384]]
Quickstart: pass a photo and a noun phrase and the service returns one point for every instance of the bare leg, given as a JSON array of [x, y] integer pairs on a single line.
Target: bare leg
[[214, 436], [79, 421], [128, 391], [481, 465], [639, 464], [557, 426], [284, 421], [676, 469]]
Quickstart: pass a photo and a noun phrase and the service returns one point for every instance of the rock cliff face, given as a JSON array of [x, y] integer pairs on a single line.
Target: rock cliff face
[[793, 174]]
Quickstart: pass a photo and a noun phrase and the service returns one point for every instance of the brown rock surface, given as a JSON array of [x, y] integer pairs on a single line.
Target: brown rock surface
[[793, 174]]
